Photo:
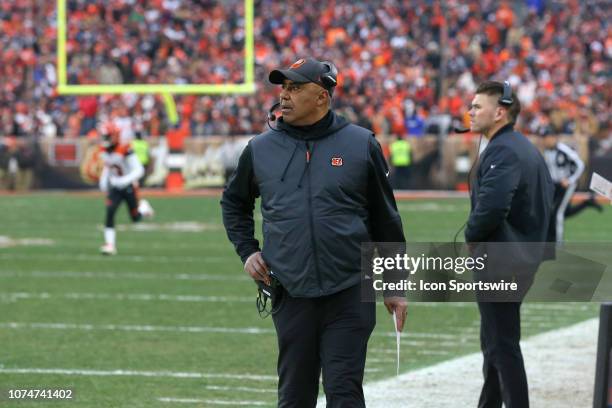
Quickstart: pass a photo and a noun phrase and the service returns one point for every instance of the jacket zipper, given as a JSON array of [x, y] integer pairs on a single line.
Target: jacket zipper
[[311, 219]]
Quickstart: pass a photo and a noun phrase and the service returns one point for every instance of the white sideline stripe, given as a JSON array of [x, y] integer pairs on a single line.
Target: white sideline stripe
[[427, 337], [425, 342], [213, 401], [380, 360], [434, 352], [418, 351], [552, 360], [137, 328], [245, 389], [135, 373], [538, 326], [122, 275], [120, 258], [13, 296]]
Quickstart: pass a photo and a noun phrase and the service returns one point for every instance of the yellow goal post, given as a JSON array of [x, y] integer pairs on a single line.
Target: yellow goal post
[[166, 90]]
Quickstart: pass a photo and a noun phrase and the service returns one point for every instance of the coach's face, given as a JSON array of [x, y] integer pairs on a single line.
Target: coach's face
[[301, 104], [485, 112]]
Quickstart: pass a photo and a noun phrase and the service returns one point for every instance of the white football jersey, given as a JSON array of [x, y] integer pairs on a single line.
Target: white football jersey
[[121, 165], [563, 163]]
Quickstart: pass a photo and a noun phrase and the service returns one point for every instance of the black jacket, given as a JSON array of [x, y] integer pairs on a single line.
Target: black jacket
[[512, 195], [324, 191]]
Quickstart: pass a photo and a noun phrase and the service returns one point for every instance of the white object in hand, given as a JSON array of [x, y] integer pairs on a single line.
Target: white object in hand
[[601, 186], [397, 340]]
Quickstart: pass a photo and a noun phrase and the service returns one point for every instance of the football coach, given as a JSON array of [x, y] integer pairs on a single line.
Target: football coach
[[511, 202], [324, 191]]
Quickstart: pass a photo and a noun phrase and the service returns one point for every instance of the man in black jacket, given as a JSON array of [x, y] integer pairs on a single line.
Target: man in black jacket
[[324, 190], [511, 203]]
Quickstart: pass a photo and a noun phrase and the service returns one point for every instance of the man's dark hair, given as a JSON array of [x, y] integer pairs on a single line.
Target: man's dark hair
[[494, 88]]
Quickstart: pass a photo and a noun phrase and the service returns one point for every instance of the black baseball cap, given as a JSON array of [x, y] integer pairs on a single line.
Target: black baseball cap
[[301, 71]]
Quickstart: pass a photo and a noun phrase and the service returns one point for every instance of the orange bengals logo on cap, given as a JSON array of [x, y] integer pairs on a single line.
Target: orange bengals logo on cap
[[336, 161], [297, 63]]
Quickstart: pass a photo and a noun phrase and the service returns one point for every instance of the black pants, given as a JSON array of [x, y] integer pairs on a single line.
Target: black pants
[[328, 334], [401, 177], [505, 379], [113, 200]]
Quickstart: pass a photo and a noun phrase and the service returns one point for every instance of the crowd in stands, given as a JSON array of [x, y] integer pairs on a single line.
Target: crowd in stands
[[403, 64]]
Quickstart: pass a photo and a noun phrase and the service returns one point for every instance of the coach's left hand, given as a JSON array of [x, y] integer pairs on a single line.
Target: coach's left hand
[[399, 305]]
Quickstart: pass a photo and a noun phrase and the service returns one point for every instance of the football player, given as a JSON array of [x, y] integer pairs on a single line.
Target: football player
[[119, 180], [565, 167]]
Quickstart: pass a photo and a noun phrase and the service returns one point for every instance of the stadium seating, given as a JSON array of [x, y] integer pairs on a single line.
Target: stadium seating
[[401, 62]]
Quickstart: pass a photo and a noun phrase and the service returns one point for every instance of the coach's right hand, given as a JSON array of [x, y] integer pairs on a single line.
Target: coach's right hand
[[257, 268]]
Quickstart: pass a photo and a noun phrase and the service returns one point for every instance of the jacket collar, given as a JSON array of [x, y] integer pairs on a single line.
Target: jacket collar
[[504, 129], [325, 126]]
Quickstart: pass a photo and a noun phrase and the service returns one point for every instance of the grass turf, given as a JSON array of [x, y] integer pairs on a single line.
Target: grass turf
[[176, 309]]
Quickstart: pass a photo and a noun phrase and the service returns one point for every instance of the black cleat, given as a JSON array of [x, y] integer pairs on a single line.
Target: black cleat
[[592, 202]]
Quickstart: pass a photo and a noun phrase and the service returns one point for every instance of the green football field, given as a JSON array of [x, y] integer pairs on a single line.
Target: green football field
[[171, 320]]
